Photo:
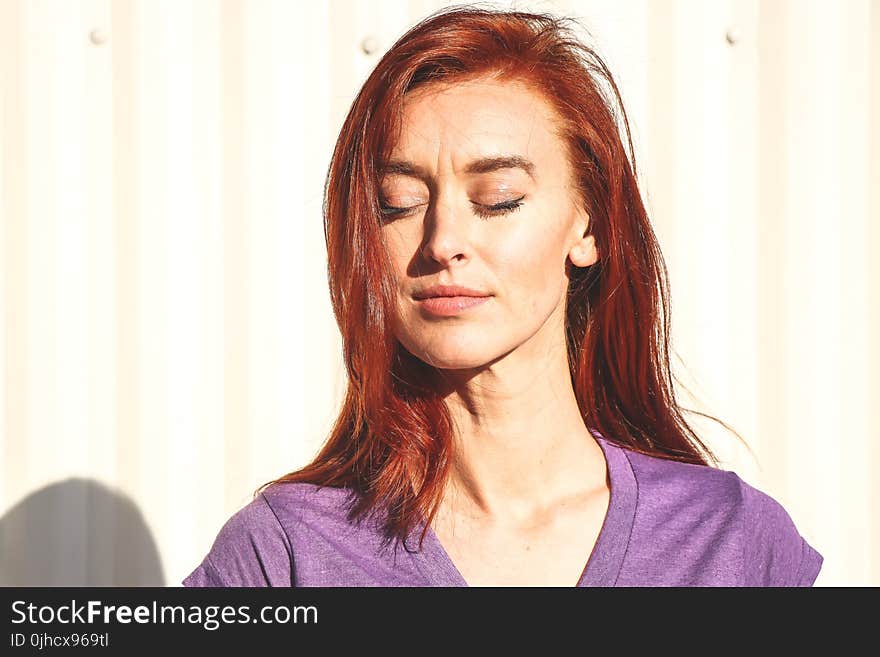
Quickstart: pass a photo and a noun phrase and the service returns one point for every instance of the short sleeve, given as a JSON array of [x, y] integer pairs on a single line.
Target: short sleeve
[[774, 552], [205, 575], [251, 549]]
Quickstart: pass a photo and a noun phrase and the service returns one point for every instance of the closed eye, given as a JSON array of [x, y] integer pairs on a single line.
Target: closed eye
[[499, 208], [482, 210]]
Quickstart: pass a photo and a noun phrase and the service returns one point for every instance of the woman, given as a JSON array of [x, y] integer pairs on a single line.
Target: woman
[[510, 417]]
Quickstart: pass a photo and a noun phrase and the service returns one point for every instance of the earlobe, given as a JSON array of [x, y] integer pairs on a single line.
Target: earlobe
[[583, 251], [584, 254]]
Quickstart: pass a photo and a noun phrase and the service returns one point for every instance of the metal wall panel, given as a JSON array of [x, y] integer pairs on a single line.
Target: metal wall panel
[[167, 338]]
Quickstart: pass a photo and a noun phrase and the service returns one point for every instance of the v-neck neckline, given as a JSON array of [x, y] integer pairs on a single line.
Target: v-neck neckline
[[606, 559]]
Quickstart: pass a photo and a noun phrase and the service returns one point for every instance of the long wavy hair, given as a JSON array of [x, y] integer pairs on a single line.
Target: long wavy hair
[[391, 443]]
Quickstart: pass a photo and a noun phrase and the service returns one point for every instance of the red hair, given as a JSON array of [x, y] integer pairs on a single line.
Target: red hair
[[392, 441]]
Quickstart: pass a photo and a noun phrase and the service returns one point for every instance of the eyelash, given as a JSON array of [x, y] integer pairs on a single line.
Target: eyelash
[[482, 210]]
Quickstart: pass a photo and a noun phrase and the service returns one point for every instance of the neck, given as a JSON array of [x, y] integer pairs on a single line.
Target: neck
[[521, 445]]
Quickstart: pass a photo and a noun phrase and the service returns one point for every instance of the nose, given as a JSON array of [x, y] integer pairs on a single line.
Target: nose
[[446, 234]]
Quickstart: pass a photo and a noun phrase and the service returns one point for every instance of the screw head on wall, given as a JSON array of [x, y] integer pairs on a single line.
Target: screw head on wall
[[733, 36], [369, 45], [98, 37]]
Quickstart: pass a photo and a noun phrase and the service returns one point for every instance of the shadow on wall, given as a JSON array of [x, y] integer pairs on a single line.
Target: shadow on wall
[[77, 532]]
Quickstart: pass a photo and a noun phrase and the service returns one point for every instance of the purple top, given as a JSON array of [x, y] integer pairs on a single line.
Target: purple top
[[668, 524]]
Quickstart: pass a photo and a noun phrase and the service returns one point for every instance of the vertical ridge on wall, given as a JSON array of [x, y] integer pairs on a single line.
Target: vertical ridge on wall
[[16, 331], [40, 259], [187, 250], [772, 153], [826, 304], [206, 480], [800, 324], [72, 256], [236, 265], [97, 101], [299, 124], [854, 337], [153, 230], [872, 297], [40, 255], [126, 197], [744, 227], [659, 175], [15, 210], [685, 160], [703, 126], [264, 337]]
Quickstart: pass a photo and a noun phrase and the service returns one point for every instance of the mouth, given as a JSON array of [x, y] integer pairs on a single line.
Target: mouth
[[448, 291]]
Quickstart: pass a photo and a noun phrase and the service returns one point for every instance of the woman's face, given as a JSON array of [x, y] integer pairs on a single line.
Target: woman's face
[[477, 193]]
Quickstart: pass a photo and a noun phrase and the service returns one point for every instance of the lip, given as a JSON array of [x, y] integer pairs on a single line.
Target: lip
[[448, 291], [450, 306]]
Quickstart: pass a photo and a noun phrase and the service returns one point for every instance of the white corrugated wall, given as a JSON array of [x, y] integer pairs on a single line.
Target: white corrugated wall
[[167, 344]]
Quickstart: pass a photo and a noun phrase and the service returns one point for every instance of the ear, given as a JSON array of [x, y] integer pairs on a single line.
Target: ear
[[583, 252]]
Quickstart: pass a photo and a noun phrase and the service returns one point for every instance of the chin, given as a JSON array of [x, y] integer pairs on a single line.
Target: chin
[[454, 356], [457, 363]]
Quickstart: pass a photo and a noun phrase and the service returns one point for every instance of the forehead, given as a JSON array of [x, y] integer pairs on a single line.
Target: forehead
[[450, 124]]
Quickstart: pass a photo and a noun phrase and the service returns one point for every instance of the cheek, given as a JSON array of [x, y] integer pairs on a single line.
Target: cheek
[[531, 269], [399, 249]]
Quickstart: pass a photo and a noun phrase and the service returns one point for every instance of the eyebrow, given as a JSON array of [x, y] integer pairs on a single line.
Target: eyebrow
[[481, 165]]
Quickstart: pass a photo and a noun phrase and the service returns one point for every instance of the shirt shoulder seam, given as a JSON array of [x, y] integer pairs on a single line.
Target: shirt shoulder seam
[[799, 573], [216, 571], [288, 541]]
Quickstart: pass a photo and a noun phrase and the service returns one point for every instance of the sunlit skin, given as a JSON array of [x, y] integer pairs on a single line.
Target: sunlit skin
[[528, 489]]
